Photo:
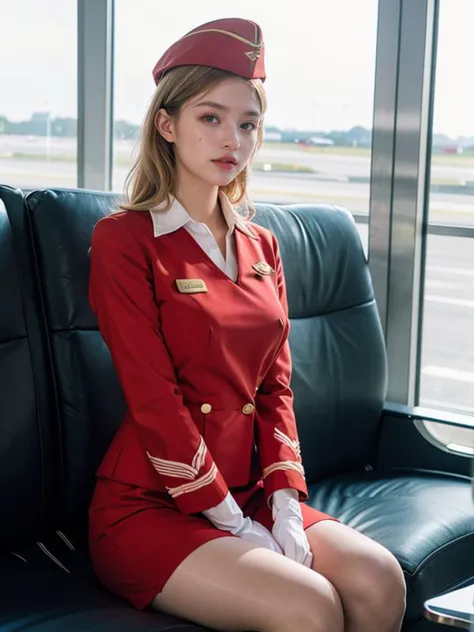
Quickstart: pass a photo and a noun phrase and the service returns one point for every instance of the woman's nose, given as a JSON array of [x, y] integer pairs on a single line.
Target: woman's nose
[[230, 139]]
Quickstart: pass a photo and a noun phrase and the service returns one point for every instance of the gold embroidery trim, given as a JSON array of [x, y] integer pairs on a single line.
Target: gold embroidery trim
[[283, 465], [224, 32]]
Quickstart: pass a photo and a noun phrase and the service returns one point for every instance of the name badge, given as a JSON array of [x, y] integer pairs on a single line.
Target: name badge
[[191, 286]]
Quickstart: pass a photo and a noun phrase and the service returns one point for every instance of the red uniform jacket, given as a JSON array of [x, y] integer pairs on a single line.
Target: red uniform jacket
[[203, 362]]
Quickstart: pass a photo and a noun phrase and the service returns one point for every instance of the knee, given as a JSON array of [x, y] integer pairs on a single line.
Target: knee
[[315, 608], [381, 590]]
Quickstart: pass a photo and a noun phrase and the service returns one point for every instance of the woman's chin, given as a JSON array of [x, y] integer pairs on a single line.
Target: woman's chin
[[220, 181]]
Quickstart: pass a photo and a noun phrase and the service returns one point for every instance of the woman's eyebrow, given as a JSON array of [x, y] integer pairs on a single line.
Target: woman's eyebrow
[[224, 108]]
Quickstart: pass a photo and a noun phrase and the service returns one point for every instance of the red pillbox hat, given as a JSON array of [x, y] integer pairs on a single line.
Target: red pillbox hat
[[231, 44]]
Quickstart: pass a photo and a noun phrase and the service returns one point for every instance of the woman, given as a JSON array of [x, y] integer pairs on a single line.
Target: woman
[[199, 505]]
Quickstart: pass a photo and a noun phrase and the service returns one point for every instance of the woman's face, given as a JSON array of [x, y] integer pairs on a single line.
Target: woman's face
[[215, 135]]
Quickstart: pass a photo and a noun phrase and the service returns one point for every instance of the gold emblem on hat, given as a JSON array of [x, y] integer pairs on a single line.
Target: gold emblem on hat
[[191, 286], [253, 55], [262, 268]]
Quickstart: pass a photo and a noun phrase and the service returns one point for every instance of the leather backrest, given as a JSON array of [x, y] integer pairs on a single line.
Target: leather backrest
[[90, 400], [26, 404], [337, 345], [339, 364]]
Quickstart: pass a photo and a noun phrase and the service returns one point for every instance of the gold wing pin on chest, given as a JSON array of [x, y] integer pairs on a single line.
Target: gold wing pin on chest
[[262, 268]]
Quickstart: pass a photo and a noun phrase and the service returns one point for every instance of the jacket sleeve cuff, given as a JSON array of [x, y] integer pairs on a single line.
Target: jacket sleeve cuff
[[283, 479], [191, 502]]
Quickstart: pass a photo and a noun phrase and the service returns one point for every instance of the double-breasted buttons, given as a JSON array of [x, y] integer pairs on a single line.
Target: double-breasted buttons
[[248, 409], [206, 409]]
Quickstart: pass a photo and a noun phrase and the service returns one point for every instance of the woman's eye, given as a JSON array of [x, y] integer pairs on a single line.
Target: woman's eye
[[250, 127], [210, 118]]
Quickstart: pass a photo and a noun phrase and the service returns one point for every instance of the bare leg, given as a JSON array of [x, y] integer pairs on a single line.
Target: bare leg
[[232, 585], [367, 577]]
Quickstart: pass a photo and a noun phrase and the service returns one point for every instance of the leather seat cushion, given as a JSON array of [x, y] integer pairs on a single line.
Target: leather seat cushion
[[426, 520], [37, 598]]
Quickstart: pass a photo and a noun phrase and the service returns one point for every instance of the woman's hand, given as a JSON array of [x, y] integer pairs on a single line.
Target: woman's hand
[[253, 531], [227, 516], [288, 528]]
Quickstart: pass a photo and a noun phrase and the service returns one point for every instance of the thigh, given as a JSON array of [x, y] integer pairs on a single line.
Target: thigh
[[230, 584], [352, 562]]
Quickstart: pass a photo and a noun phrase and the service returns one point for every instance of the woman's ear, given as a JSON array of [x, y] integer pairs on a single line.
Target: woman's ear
[[165, 125]]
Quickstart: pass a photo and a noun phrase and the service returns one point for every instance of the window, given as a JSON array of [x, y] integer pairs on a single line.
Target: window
[[447, 366], [318, 127], [38, 77], [447, 374]]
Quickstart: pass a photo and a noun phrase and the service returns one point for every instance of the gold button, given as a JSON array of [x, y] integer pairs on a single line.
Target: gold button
[[206, 409], [248, 409]]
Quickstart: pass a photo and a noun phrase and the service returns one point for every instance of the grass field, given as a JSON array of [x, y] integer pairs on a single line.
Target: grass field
[[465, 159]]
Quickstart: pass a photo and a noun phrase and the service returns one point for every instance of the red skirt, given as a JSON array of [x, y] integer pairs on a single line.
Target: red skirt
[[138, 538]]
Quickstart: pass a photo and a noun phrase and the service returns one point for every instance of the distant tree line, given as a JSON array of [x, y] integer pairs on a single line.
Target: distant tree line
[[42, 124]]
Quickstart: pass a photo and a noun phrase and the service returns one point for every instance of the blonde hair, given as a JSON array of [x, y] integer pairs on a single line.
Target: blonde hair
[[152, 179]]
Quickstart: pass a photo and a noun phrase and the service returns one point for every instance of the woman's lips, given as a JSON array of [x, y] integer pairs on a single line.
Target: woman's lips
[[226, 165]]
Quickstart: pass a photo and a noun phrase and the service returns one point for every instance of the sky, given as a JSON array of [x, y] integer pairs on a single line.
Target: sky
[[320, 58]]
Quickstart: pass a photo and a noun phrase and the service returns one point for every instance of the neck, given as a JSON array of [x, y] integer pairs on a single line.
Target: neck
[[200, 201]]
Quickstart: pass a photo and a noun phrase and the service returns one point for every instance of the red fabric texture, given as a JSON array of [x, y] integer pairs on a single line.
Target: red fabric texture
[[138, 539], [232, 44], [206, 375]]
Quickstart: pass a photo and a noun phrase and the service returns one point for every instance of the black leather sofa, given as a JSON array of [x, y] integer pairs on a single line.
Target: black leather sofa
[[60, 404]]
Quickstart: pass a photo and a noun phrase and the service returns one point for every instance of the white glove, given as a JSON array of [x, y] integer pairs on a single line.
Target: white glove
[[288, 526], [227, 516]]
